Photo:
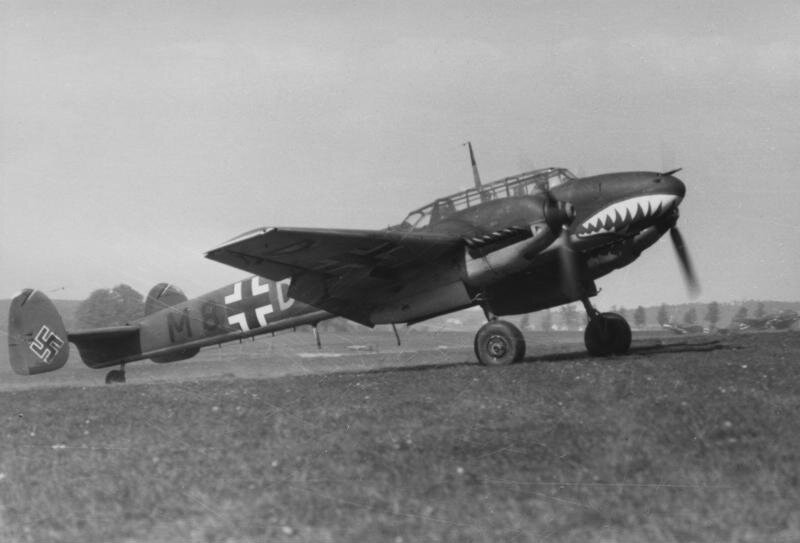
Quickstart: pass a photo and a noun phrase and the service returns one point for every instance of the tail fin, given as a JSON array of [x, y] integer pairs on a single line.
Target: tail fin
[[163, 295], [37, 339]]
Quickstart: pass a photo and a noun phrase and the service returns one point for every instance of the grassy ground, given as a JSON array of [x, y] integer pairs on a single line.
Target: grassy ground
[[689, 441]]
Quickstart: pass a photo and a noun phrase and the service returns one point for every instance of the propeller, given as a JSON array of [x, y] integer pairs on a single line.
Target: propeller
[[569, 265], [559, 215], [686, 263], [692, 285]]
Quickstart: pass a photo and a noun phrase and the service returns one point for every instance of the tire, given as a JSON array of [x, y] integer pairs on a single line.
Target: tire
[[606, 334], [499, 343], [115, 376], [621, 332]]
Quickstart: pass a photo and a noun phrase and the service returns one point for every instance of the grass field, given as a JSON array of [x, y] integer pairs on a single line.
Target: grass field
[[688, 440]]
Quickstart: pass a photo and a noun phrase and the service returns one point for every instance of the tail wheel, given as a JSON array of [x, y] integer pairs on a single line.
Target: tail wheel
[[115, 376], [606, 334], [499, 343]]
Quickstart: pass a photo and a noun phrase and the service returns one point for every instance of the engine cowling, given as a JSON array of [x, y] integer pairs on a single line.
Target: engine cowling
[[547, 219], [485, 269]]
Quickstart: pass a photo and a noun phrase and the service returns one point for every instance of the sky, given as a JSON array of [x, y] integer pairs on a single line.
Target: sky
[[136, 136]]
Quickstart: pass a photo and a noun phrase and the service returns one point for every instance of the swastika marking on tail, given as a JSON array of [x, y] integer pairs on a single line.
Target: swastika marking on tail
[[46, 344]]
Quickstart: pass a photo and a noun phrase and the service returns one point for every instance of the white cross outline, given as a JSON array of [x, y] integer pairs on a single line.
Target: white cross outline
[[257, 288], [262, 312], [241, 320], [236, 295]]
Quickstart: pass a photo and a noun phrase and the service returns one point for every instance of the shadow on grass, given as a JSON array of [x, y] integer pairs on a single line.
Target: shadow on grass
[[648, 348], [652, 347], [418, 367]]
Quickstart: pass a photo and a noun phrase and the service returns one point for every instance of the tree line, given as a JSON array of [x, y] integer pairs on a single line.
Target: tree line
[[570, 318], [110, 307]]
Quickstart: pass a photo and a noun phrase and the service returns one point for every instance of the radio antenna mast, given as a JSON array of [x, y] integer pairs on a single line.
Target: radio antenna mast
[[476, 176]]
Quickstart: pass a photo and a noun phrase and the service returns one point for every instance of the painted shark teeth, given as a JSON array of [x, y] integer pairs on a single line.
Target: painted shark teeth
[[619, 214]]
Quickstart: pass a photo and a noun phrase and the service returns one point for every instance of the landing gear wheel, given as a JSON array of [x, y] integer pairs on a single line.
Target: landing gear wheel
[[606, 334], [498, 343], [115, 376]]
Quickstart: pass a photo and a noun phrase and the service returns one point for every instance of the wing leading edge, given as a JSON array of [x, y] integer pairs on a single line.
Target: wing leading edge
[[347, 272]]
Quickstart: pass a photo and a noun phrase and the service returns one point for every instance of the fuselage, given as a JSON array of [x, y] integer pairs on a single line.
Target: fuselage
[[240, 310], [514, 237]]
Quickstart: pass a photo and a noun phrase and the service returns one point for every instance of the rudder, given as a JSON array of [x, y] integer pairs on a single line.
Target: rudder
[[37, 338]]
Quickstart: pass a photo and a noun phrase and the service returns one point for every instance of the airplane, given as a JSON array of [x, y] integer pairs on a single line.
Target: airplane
[[688, 329], [520, 244], [782, 320]]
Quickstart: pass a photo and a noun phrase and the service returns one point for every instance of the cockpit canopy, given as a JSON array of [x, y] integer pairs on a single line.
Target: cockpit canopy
[[518, 185]]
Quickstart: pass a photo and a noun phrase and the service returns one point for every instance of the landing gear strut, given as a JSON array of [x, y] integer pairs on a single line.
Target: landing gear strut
[[116, 376], [498, 343], [606, 333]]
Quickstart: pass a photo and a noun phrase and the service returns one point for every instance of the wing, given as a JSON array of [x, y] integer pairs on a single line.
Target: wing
[[347, 272]]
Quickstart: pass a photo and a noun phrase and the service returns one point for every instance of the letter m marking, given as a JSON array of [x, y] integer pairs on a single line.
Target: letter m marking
[[179, 325]]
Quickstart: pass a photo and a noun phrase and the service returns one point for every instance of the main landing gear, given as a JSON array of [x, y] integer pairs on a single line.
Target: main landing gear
[[606, 333], [498, 343], [116, 376]]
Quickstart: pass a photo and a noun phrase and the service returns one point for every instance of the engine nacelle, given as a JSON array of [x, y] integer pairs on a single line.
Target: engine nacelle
[[486, 269], [523, 294]]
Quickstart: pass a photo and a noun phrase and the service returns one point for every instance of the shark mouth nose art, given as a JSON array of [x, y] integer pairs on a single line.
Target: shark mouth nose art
[[620, 214]]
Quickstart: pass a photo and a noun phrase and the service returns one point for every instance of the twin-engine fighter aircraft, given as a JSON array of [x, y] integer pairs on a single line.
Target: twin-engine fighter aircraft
[[516, 245]]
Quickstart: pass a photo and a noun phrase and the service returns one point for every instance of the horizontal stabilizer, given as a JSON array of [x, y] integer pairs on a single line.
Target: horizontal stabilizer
[[104, 347]]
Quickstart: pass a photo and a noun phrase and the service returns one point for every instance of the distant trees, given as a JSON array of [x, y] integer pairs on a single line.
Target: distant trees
[[712, 314], [569, 316], [621, 311], [741, 313], [525, 322], [663, 316], [110, 307], [690, 317], [639, 316], [547, 320], [760, 310]]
